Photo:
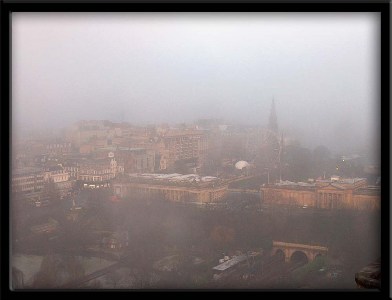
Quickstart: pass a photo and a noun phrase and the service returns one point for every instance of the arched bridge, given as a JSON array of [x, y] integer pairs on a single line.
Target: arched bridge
[[294, 252]]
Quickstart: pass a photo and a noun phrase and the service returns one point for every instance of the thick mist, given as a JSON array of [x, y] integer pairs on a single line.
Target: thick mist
[[321, 68]]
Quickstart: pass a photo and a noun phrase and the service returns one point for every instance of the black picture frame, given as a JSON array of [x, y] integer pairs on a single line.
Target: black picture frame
[[10, 6]]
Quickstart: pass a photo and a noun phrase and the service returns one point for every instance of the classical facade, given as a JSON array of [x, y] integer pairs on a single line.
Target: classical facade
[[189, 188], [349, 193]]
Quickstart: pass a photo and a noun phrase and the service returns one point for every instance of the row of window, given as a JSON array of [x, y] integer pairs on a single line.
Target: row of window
[[61, 178], [330, 197], [96, 178], [58, 145], [17, 179], [217, 195], [27, 187], [71, 168], [22, 180], [107, 171], [57, 172]]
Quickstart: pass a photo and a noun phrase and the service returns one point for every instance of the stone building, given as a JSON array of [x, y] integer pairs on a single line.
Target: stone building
[[189, 188], [337, 193], [60, 177], [185, 145], [72, 168], [30, 182], [84, 132], [135, 160], [58, 147], [27, 180], [99, 172]]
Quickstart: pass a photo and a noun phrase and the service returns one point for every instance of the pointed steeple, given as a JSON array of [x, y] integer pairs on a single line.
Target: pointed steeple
[[273, 121]]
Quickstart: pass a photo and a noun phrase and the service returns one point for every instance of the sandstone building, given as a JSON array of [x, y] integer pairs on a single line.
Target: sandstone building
[[337, 193], [189, 188]]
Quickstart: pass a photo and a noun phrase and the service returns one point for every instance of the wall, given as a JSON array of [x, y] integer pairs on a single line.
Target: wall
[[324, 198]]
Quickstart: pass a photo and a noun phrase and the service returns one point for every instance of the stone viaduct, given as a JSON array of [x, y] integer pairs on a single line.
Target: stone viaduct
[[292, 252]]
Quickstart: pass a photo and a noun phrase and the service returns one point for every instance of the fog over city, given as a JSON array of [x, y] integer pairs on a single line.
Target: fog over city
[[321, 68], [195, 151]]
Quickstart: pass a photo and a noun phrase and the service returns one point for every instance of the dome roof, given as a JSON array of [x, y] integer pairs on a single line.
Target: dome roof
[[241, 164]]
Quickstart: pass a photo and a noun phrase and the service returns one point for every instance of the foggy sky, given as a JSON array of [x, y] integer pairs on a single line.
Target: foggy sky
[[321, 68]]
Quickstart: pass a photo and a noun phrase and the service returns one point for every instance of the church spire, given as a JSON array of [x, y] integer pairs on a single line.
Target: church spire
[[273, 121]]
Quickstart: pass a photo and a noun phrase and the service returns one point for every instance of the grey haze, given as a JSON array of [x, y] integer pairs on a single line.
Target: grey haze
[[321, 68]]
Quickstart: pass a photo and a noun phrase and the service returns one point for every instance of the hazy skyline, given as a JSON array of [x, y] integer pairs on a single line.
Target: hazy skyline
[[322, 69]]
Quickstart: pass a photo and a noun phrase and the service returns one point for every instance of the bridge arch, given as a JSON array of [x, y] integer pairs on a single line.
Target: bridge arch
[[306, 253], [299, 256]]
